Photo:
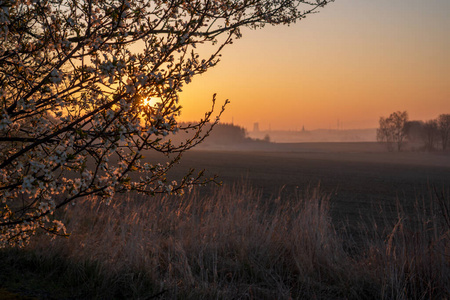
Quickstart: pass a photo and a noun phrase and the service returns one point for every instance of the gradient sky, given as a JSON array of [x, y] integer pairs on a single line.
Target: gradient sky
[[355, 61]]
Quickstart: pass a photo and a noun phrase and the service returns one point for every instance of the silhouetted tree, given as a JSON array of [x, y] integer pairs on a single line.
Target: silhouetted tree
[[414, 131], [385, 134], [431, 134], [392, 130], [443, 127], [74, 75]]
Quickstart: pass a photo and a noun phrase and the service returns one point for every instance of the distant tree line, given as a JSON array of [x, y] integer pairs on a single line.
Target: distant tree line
[[396, 130], [223, 134]]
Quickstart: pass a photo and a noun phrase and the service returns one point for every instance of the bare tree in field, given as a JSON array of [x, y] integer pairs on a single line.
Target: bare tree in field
[[384, 133], [74, 79], [443, 127], [392, 130]]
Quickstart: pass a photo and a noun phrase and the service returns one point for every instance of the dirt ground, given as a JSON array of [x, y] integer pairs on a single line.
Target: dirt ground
[[358, 176]]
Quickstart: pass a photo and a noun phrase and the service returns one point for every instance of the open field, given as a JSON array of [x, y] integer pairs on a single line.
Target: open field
[[359, 176], [269, 233]]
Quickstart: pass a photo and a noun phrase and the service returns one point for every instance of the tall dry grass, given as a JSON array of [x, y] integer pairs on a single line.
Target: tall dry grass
[[232, 244], [411, 256]]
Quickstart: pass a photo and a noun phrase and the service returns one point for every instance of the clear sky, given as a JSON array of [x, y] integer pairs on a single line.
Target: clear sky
[[355, 61]]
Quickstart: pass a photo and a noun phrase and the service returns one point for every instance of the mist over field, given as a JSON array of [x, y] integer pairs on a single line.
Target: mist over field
[[358, 176], [317, 135]]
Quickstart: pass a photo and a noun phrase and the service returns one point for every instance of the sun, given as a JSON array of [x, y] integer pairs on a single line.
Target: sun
[[149, 101]]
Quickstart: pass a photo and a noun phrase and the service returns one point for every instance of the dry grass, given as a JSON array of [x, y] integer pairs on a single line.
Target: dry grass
[[234, 245], [411, 256]]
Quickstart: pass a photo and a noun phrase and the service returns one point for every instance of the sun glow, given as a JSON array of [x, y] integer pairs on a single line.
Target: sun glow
[[150, 101]]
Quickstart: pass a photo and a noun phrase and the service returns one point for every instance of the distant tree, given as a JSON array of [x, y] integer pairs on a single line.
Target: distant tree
[[443, 127], [74, 75], [392, 130], [266, 138], [431, 134], [226, 134], [385, 134], [414, 131]]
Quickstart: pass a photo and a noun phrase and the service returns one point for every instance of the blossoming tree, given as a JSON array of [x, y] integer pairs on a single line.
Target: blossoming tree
[[74, 75]]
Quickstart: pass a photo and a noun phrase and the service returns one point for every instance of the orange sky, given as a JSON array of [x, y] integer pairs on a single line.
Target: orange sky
[[355, 61]]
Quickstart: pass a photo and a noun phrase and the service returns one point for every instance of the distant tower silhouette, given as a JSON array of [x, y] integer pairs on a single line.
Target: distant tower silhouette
[[303, 128], [256, 127]]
